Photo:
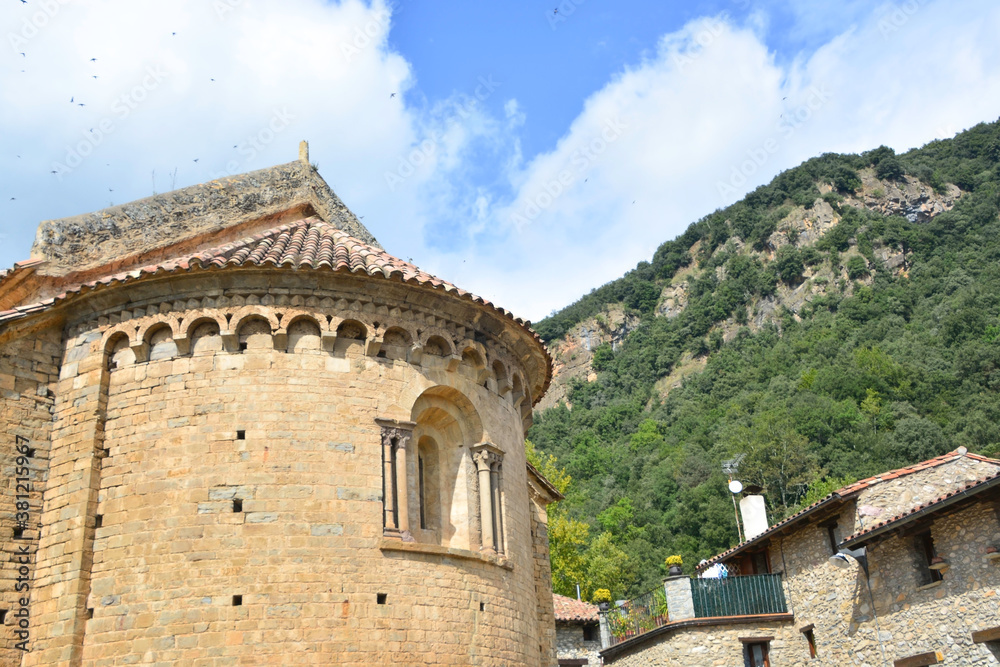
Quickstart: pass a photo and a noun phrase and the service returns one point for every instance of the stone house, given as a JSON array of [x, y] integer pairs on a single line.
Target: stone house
[[236, 431], [578, 640], [900, 569]]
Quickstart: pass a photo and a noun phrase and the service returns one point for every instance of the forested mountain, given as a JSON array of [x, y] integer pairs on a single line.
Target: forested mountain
[[837, 322]]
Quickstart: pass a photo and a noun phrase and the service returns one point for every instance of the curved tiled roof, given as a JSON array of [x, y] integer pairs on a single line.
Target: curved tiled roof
[[846, 493], [310, 243], [973, 487], [569, 610]]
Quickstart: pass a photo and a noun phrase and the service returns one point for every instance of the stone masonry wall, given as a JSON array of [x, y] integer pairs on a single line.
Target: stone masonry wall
[[543, 583], [571, 644], [162, 421], [836, 602], [28, 372]]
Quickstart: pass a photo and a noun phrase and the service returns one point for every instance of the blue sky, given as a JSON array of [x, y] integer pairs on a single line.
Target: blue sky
[[527, 155]]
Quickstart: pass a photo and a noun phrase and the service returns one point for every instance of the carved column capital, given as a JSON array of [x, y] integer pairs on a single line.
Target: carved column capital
[[486, 456]]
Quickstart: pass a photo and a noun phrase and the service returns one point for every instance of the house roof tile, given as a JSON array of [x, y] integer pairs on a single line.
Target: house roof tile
[[569, 610], [845, 493], [938, 503]]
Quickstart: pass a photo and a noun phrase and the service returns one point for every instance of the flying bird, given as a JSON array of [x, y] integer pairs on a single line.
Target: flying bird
[[196, 159], [24, 54], [95, 76], [392, 95], [72, 99], [81, 104], [93, 60]]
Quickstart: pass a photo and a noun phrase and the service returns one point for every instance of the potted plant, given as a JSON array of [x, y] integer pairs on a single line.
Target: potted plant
[[602, 598], [674, 566]]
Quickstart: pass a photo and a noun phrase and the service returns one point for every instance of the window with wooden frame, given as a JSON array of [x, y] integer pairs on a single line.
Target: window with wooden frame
[[757, 562], [831, 536], [807, 633], [924, 544], [756, 653]]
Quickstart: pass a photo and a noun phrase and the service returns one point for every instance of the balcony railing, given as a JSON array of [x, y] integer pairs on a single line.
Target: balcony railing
[[633, 618], [738, 596]]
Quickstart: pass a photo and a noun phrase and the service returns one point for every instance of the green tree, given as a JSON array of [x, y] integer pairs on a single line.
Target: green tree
[[790, 264], [890, 169], [568, 547], [857, 267], [608, 567], [777, 458]]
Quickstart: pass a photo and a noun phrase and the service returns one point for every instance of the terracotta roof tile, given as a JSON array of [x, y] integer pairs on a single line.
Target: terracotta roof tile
[[971, 486], [570, 610], [309, 243], [846, 492]]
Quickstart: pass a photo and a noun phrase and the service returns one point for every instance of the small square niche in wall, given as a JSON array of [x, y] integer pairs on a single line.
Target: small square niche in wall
[[381, 598], [237, 600], [241, 435]]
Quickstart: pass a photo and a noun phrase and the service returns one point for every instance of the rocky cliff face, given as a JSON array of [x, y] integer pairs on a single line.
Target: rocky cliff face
[[572, 354], [908, 197]]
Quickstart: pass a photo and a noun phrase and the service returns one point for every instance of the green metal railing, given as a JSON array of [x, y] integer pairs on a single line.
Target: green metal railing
[[633, 618], [738, 596]]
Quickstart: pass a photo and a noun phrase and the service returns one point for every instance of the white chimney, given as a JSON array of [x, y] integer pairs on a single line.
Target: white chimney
[[754, 516]]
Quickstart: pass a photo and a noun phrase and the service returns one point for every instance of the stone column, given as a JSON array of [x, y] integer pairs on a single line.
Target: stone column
[[602, 617], [482, 459], [402, 486], [395, 501], [679, 600], [495, 479], [388, 488]]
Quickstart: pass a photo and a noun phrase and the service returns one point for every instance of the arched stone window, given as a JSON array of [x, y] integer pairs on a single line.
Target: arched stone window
[[430, 480]]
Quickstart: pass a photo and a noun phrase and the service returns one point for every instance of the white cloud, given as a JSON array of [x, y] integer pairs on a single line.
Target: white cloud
[[443, 181], [713, 109]]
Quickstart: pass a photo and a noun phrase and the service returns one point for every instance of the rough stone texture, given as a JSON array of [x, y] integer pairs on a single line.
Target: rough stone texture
[[570, 643], [115, 234], [29, 368], [573, 354], [908, 197], [836, 601], [679, 602], [159, 404]]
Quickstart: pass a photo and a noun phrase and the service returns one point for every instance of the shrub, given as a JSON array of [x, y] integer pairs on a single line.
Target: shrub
[[790, 265], [846, 179], [890, 169], [603, 356], [857, 267]]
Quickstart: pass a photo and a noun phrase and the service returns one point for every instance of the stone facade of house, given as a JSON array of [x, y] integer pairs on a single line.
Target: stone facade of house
[[259, 436], [578, 635], [906, 619]]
